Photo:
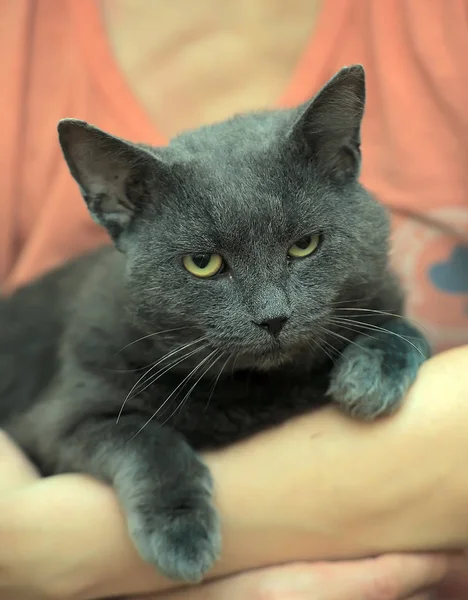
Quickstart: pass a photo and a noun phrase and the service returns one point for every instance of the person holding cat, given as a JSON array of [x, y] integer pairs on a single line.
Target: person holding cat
[[64, 537], [71, 40]]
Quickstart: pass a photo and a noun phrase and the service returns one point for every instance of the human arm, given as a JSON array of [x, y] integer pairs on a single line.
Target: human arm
[[388, 577], [322, 486], [392, 577], [325, 486]]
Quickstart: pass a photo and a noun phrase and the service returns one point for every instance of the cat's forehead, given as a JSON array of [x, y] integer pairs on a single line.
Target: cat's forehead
[[236, 135], [246, 190], [232, 203], [242, 207], [237, 181], [241, 164]]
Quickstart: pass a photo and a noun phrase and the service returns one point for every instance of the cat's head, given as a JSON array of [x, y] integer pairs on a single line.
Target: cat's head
[[250, 230]]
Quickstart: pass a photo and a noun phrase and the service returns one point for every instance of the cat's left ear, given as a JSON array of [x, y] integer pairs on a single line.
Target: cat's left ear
[[329, 128], [112, 173]]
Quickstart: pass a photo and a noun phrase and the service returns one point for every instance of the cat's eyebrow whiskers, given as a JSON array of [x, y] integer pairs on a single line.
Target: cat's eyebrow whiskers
[[154, 365]]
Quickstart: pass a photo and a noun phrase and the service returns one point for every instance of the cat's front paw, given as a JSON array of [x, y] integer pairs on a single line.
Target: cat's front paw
[[373, 375], [183, 540]]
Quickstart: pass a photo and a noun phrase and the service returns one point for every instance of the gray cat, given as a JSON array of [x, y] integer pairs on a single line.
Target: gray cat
[[248, 283]]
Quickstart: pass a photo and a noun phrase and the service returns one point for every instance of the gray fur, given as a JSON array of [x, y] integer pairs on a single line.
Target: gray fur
[[187, 355]]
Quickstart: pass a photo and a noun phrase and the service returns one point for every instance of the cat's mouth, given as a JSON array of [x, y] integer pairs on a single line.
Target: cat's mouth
[[264, 358], [263, 354]]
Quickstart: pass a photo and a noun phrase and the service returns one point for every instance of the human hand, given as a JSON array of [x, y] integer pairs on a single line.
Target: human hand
[[50, 546], [284, 497], [349, 489], [48, 571], [389, 577], [455, 585]]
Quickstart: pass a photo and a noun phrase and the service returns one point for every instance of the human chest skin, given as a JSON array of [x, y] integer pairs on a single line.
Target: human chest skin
[[195, 63]]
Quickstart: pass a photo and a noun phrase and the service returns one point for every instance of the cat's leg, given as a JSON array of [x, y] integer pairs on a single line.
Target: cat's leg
[[374, 373], [163, 486]]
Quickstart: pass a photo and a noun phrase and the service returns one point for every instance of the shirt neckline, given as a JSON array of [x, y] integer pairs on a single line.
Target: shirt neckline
[[310, 72]]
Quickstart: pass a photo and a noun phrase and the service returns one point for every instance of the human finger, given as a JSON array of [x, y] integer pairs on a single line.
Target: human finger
[[389, 577]]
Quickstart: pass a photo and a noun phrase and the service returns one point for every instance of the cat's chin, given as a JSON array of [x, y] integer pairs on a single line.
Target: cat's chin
[[264, 360], [269, 363], [267, 359]]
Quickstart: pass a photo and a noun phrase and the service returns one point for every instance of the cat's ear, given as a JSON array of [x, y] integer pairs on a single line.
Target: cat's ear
[[329, 127], [112, 174]]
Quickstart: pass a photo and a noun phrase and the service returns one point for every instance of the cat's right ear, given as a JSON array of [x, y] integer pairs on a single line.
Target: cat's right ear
[[329, 127], [112, 173]]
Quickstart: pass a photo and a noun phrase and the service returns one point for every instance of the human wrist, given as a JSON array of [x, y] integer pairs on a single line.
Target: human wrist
[[319, 487], [430, 509], [65, 537], [351, 488]]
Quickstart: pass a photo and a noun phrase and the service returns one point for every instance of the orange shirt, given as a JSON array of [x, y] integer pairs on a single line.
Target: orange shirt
[[56, 62]]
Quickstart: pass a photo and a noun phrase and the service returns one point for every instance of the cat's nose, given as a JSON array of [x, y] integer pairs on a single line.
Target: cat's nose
[[273, 326]]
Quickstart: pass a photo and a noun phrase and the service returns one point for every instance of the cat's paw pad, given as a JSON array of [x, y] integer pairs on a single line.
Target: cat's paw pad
[[182, 541], [373, 375]]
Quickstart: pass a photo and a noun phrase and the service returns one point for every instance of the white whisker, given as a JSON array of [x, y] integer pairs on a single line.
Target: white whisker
[[149, 382], [236, 357], [344, 324], [375, 312], [187, 395], [373, 327], [156, 333], [326, 348], [344, 338], [158, 362], [216, 381], [362, 299], [187, 378]]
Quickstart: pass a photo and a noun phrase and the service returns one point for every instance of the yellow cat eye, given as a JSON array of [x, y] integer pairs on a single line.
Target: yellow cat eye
[[305, 246], [203, 265]]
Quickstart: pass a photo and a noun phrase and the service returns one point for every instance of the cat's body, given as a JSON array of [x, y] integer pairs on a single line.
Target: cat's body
[[58, 317], [120, 363]]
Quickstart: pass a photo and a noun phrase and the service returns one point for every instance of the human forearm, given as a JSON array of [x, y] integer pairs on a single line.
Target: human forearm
[[325, 486], [392, 576], [320, 487]]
